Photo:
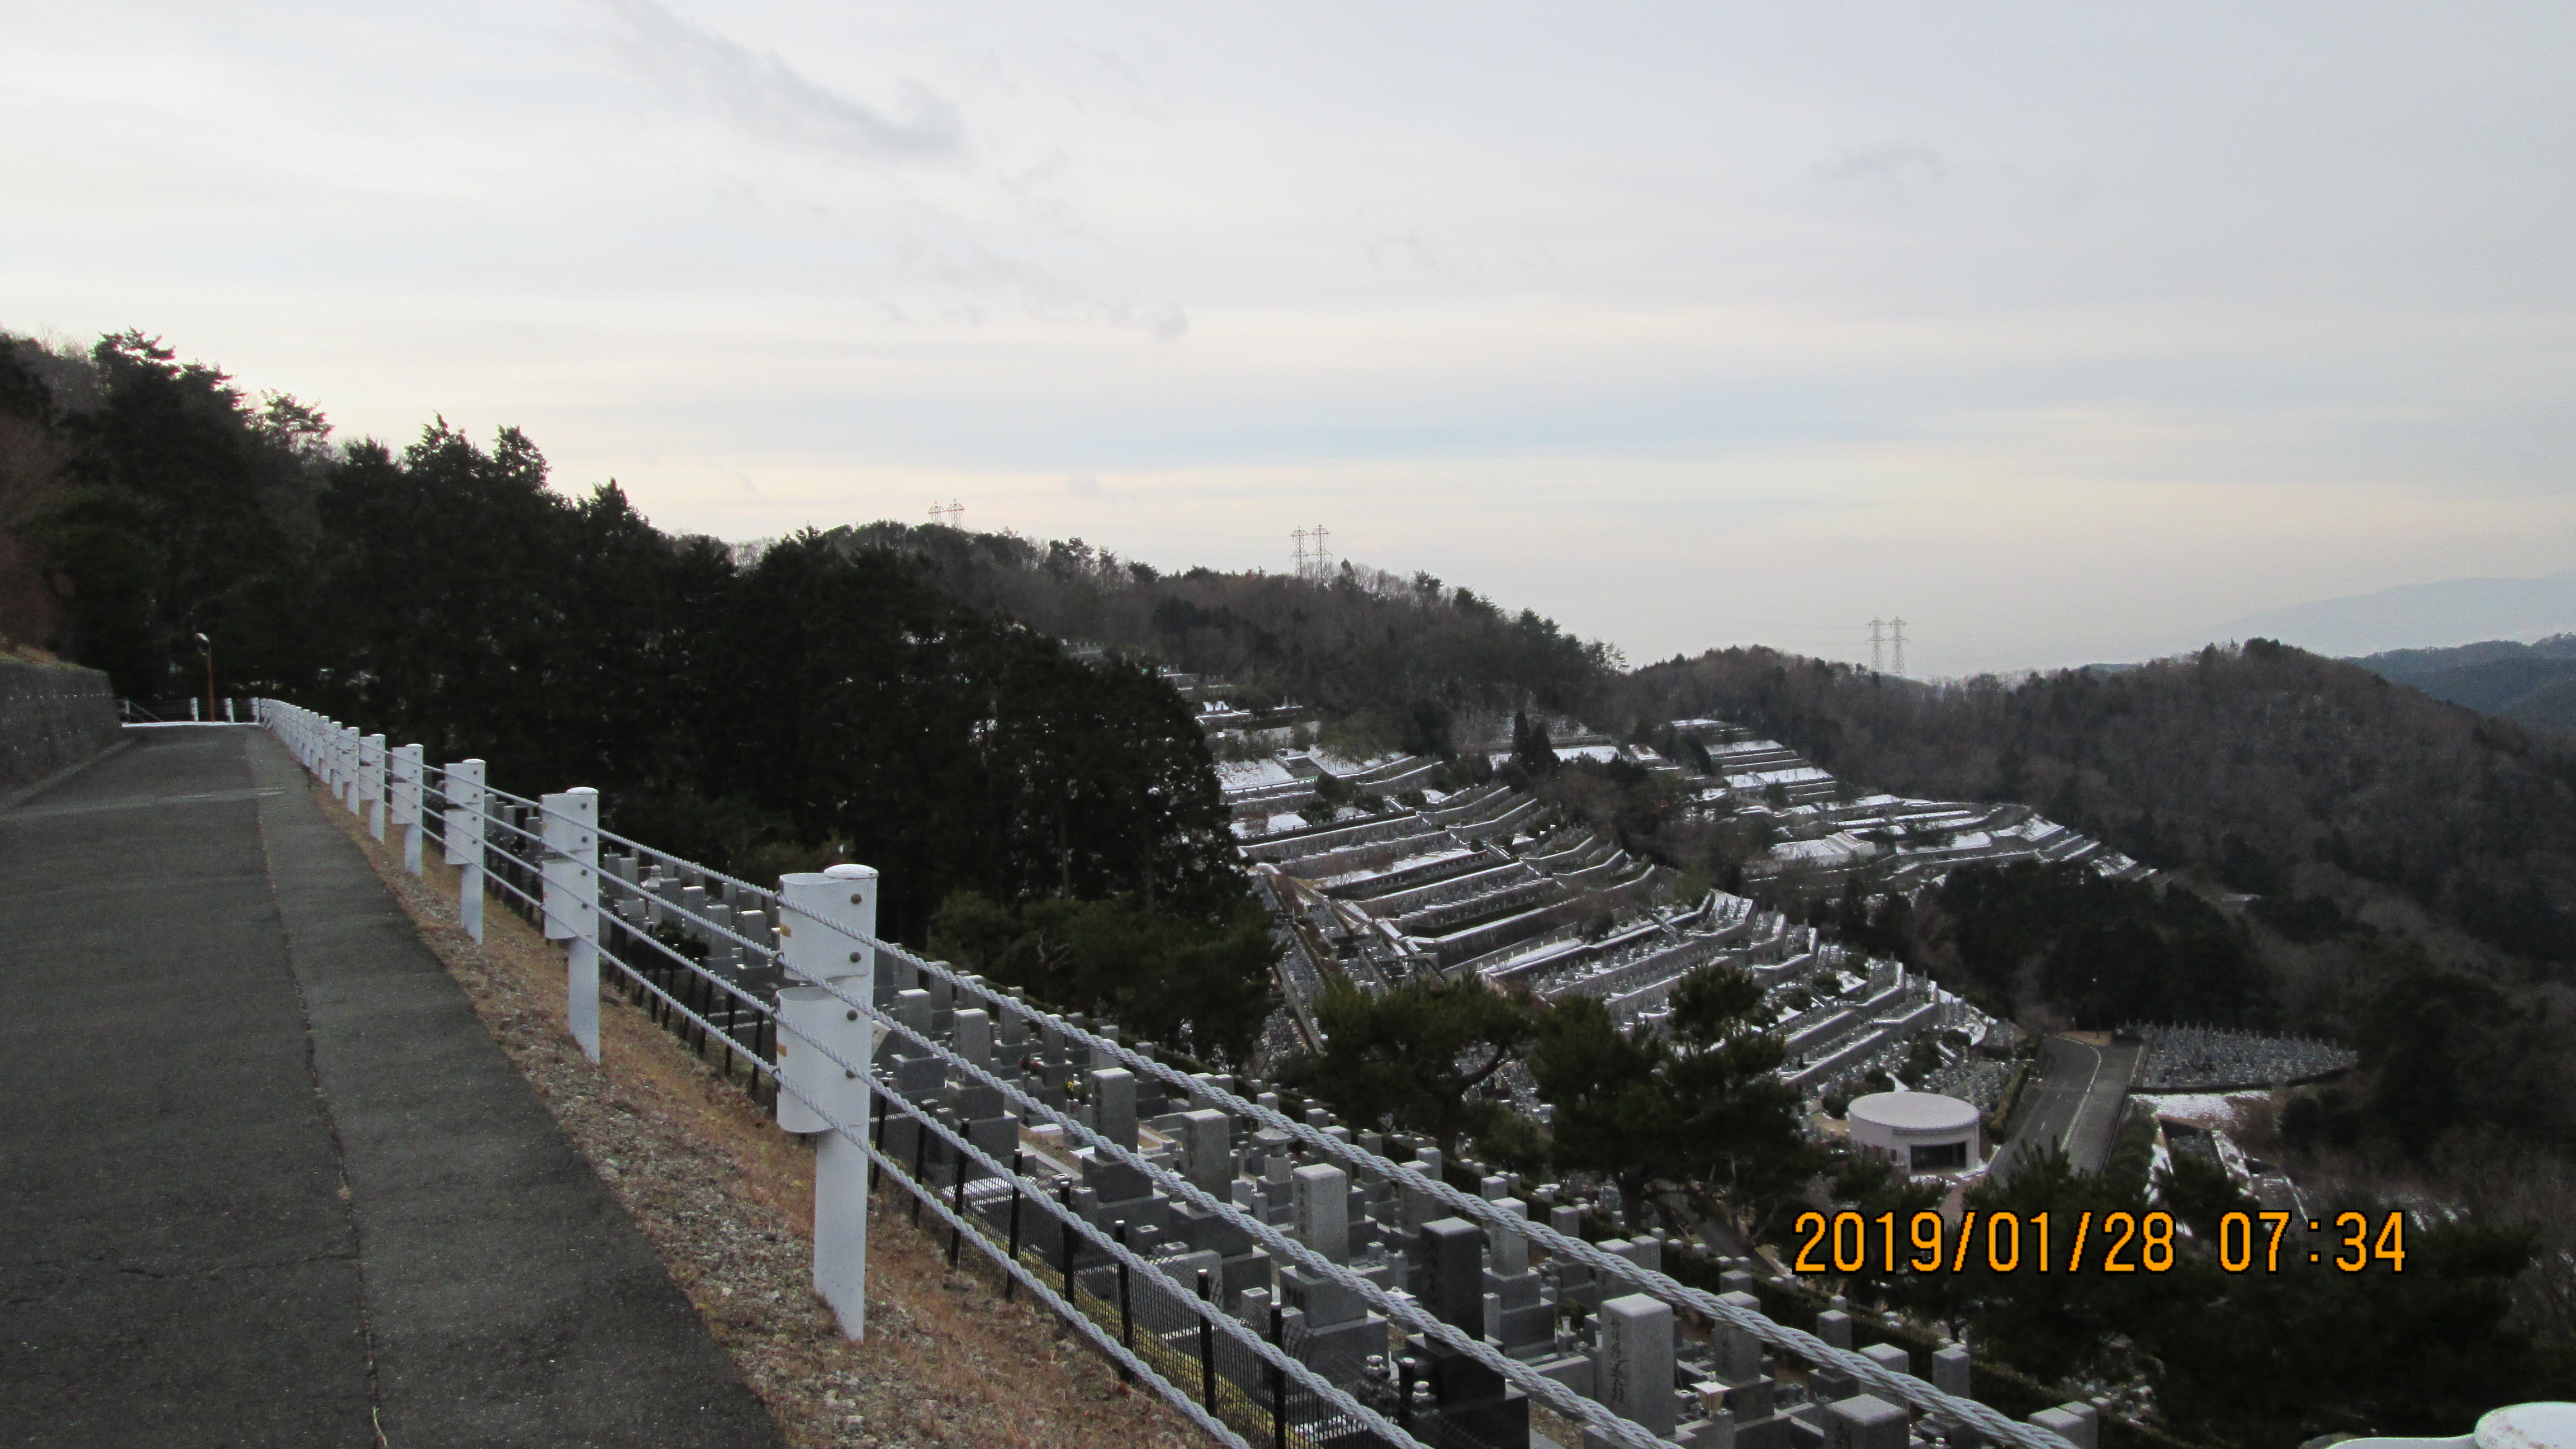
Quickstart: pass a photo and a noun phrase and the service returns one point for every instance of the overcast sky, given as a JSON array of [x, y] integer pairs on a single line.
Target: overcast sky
[[2063, 332]]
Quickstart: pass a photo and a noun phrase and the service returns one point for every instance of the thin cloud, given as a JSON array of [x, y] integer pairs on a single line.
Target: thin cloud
[[764, 95], [1882, 165]]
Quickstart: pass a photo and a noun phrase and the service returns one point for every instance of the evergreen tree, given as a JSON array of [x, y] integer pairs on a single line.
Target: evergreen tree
[[1694, 1112], [1415, 1058]]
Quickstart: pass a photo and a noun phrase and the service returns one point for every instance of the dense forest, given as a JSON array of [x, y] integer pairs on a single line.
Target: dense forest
[[826, 702], [2380, 848], [900, 693], [2030, 941], [2337, 853], [1391, 662], [2531, 684]]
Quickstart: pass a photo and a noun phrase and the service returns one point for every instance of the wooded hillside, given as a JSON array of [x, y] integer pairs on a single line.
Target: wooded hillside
[[2398, 849], [828, 702], [2531, 684], [1391, 660]]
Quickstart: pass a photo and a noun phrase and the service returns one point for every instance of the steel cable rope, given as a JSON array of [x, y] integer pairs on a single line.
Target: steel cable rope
[[534, 904], [766, 952], [1807, 1346], [761, 891], [1239, 1332], [545, 853], [1235, 1330], [1066, 1308], [1406, 1310], [648, 938], [1035, 1191], [593, 901]]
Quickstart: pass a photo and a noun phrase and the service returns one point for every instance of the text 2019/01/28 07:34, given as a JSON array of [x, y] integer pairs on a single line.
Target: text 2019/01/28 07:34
[[2111, 1242]]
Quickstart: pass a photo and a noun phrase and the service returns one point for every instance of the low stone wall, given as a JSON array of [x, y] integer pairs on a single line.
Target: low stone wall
[[51, 715]]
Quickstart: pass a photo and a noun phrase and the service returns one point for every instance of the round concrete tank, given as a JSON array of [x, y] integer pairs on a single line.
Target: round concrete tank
[[1917, 1131]]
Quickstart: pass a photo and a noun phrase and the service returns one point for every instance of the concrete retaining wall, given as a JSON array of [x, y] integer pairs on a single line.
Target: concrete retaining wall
[[51, 715]]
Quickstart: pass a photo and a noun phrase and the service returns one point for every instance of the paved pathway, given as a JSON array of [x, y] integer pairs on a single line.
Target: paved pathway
[[264, 1179], [2075, 1102]]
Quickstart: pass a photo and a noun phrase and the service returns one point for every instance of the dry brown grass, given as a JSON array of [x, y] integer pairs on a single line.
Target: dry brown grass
[[727, 1199]]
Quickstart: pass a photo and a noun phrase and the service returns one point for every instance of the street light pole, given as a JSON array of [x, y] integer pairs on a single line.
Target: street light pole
[[206, 647]]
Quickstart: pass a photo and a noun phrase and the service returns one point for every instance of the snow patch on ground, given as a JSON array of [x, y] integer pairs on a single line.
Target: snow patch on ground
[[2215, 1111]]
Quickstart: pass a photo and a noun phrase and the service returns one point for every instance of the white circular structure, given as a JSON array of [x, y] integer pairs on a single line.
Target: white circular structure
[[2528, 1426], [1917, 1131]]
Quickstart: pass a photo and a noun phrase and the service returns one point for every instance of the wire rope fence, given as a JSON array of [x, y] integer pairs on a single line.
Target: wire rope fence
[[1339, 1298]]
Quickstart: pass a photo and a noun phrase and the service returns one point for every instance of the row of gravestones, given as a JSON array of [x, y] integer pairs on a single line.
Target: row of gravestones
[[1486, 1283], [1623, 1352], [669, 902]]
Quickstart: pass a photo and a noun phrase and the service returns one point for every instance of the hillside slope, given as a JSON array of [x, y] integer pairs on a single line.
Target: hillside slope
[[2403, 850], [1391, 661], [2552, 708], [2418, 616], [2498, 677]]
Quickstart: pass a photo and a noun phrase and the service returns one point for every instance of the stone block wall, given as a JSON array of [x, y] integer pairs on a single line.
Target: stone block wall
[[51, 715]]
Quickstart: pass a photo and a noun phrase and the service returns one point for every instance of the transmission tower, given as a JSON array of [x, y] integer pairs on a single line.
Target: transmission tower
[[1314, 561], [1898, 625], [948, 512], [1877, 646]]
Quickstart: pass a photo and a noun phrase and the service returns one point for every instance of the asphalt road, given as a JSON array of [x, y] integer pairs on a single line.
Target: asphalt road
[[264, 1179], [2074, 1102]]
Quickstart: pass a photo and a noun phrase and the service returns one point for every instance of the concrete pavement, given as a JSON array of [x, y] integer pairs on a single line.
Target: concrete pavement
[[2074, 1102], [264, 1178]]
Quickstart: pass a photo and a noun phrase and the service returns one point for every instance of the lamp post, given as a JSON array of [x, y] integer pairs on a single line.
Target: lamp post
[[206, 647]]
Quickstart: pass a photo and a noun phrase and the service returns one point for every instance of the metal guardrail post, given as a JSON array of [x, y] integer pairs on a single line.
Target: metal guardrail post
[[1064, 1233], [1019, 1165], [1278, 1380], [464, 846], [956, 1235], [878, 1140], [1207, 1343], [570, 835], [1126, 1310], [824, 923], [407, 800], [920, 1162]]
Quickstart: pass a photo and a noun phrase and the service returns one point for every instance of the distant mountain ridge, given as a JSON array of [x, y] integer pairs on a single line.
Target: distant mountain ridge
[[2531, 684], [2415, 618]]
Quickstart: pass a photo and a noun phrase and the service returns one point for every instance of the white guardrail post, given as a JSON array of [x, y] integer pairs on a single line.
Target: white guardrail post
[[349, 768], [824, 924], [571, 841], [465, 842], [407, 793], [371, 782]]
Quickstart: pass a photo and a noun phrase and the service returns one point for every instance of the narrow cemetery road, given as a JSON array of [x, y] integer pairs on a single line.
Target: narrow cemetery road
[[264, 1179], [2074, 1102]]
